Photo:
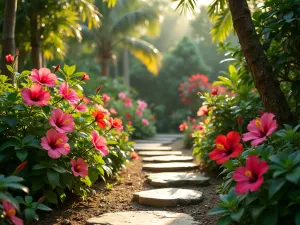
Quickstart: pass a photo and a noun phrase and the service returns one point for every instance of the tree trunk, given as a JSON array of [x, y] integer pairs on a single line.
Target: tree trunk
[[116, 66], [8, 35], [126, 67], [104, 66], [262, 72], [35, 41]]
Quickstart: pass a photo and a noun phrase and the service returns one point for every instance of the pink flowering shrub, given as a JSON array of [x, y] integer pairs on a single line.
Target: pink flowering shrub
[[66, 140]]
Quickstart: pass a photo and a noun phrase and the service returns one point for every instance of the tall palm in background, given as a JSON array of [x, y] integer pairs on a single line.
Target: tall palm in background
[[122, 25]]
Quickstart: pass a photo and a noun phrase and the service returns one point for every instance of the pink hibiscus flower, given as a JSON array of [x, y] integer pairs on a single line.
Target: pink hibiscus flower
[[35, 95], [43, 76], [183, 126], [122, 95], [113, 111], [106, 97], [139, 112], [62, 122], [260, 128], [81, 107], [127, 102], [142, 105], [99, 143], [68, 93], [103, 110], [116, 123], [79, 167], [56, 144], [10, 212], [203, 111], [145, 122], [250, 178]]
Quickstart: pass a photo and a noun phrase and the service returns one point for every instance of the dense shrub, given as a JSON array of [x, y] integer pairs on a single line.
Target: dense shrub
[[63, 139]]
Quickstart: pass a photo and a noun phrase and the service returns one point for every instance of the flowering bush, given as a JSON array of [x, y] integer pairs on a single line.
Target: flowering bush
[[133, 112], [65, 138], [261, 182]]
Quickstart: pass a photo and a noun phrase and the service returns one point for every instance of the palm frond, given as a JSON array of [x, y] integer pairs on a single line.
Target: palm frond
[[111, 3], [223, 25], [186, 5], [216, 7], [145, 52], [133, 19]]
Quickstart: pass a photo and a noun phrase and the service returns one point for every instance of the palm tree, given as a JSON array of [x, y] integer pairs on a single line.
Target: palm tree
[[8, 34], [121, 27]]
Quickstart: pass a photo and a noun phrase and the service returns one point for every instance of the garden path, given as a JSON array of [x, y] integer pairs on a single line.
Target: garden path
[[173, 173]]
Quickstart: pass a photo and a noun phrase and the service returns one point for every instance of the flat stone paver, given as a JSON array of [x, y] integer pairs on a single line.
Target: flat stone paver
[[173, 179], [168, 158], [170, 167], [168, 197], [151, 145], [159, 148], [143, 218], [162, 142], [170, 135], [158, 153]]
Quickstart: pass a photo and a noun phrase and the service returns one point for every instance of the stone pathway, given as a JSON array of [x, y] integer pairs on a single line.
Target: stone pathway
[[169, 166]]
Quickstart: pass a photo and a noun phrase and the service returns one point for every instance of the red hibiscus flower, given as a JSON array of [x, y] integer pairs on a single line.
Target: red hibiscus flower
[[9, 58], [99, 118], [226, 147], [203, 111], [116, 123], [250, 178]]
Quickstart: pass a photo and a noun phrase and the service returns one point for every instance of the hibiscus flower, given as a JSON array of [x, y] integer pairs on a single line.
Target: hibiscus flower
[[99, 118], [79, 167], [62, 122], [99, 143], [68, 93], [43, 76], [35, 95], [116, 123], [10, 213]]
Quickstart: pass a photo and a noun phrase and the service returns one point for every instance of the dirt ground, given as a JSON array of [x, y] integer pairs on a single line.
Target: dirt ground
[[119, 198]]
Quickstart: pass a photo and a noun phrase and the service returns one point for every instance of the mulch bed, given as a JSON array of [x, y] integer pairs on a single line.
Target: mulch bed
[[119, 198]]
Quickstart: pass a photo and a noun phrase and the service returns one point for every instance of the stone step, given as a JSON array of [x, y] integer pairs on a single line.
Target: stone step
[[170, 167], [151, 145], [162, 142], [159, 148], [158, 153], [168, 197], [143, 218], [180, 179], [170, 135], [169, 158]]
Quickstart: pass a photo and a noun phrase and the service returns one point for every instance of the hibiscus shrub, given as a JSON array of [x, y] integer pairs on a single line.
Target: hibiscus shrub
[[261, 183], [64, 139], [133, 112], [188, 127]]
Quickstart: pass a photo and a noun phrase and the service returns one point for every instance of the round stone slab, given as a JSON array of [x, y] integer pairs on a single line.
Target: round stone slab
[[170, 167], [159, 153], [143, 218], [176, 179], [158, 148], [151, 145], [168, 158], [168, 197]]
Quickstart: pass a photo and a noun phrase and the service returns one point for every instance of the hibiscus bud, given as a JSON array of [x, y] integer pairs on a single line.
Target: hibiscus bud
[[240, 120], [56, 68], [21, 166], [134, 155], [98, 89], [130, 123], [214, 92], [85, 77], [9, 58], [17, 51], [41, 199], [261, 112]]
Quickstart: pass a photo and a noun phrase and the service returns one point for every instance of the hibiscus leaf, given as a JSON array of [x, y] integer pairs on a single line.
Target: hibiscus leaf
[[50, 196], [297, 218], [22, 155], [236, 216], [270, 216], [217, 210], [53, 178], [294, 175], [225, 220], [275, 186], [256, 211]]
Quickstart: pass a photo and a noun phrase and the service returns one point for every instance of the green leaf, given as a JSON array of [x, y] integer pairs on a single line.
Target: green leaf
[[288, 16], [37, 184], [10, 120], [225, 220], [2, 127], [12, 96], [28, 199], [46, 109], [29, 214], [7, 197], [112, 142], [236, 216], [43, 207], [59, 169], [12, 142], [67, 179], [275, 186], [294, 175], [256, 211], [10, 69], [25, 73], [217, 210], [50, 196], [22, 155], [69, 70], [16, 186], [39, 167], [297, 218], [27, 139], [93, 174], [270, 216], [53, 178]]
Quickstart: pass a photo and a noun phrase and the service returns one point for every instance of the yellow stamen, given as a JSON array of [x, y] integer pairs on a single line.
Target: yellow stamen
[[66, 122], [78, 167], [248, 173], [258, 123], [11, 212], [59, 141], [220, 146]]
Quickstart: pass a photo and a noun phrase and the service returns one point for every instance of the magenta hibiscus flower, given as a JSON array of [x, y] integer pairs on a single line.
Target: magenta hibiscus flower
[[43, 76], [79, 167], [62, 122], [99, 143], [35, 95]]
